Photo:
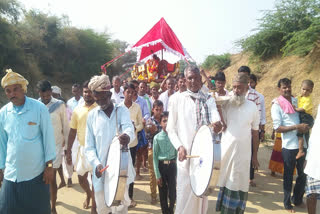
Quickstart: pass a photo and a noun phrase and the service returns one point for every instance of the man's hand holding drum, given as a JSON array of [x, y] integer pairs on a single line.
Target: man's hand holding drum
[[182, 152], [217, 126]]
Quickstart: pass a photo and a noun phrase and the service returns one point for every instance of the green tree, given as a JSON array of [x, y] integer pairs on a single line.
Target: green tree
[[219, 62], [124, 63], [284, 30]]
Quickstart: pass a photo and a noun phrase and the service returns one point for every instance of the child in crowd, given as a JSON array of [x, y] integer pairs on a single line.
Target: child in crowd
[[305, 112], [165, 167], [153, 127]]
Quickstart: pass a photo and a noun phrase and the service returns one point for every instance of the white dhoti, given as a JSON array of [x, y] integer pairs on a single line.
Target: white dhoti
[[103, 209], [81, 163], [187, 201]]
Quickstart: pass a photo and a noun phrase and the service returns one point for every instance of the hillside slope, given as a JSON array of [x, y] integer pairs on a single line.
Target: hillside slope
[[269, 72]]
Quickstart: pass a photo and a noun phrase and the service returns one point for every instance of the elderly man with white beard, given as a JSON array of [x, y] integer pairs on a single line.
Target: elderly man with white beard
[[242, 120], [188, 111]]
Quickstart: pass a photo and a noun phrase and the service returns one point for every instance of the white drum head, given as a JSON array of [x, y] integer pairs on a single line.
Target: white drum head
[[112, 173], [201, 168]]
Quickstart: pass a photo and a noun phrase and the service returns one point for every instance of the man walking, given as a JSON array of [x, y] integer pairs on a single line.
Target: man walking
[[197, 108], [101, 129], [286, 121], [78, 130], [60, 125], [242, 121], [27, 149]]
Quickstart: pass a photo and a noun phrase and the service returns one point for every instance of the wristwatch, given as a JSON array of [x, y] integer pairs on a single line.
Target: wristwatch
[[49, 165]]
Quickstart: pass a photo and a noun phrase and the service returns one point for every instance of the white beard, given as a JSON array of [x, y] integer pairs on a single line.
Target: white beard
[[236, 100]]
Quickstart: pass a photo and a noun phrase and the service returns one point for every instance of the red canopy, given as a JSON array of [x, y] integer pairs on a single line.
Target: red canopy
[[160, 37]]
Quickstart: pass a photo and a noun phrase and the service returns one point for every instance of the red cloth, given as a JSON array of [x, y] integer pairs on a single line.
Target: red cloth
[[160, 31], [170, 67]]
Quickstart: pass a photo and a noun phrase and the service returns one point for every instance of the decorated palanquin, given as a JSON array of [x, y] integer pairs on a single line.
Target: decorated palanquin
[[154, 70]]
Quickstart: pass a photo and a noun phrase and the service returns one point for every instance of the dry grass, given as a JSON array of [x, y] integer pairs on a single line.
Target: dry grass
[[269, 72]]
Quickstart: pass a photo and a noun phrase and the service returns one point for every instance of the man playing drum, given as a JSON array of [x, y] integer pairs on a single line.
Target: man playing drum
[[101, 129], [188, 111], [242, 120]]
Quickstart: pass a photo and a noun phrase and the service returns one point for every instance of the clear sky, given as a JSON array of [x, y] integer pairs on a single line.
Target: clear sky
[[204, 27]]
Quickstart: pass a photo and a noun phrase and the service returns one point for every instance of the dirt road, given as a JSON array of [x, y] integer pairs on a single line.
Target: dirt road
[[266, 198]]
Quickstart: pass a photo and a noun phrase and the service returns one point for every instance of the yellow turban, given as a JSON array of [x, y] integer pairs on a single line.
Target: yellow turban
[[100, 83], [12, 78], [154, 84]]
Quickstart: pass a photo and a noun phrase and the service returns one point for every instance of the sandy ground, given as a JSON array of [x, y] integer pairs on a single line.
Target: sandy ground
[[266, 198]]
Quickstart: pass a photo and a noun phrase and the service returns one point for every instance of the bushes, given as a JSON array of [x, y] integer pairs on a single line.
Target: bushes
[[219, 62], [293, 27]]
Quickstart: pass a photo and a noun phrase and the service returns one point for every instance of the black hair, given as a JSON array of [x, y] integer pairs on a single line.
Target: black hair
[[170, 78], [143, 83], [76, 85], [158, 103], [284, 81], [244, 69], [85, 84], [308, 83], [164, 114], [134, 82], [127, 86], [254, 78], [44, 85], [220, 76], [180, 76]]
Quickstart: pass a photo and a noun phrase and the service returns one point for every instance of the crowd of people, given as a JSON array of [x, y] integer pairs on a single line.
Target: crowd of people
[[157, 124]]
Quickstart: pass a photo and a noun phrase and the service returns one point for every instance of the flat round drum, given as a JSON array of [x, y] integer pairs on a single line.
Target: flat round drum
[[201, 168], [111, 178]]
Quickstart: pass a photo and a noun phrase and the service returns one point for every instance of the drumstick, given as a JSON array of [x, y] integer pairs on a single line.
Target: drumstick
[[192, 156], [102, 170]]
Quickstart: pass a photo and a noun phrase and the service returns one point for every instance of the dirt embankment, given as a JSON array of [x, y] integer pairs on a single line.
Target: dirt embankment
[[269, 72]]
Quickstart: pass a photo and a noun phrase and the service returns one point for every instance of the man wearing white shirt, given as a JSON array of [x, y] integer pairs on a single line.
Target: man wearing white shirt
[[60, 125], [102, 123], [242, 130], [117, 92], [77, 99], [184, 108], [164, 97], [253, 84], [312, 167]]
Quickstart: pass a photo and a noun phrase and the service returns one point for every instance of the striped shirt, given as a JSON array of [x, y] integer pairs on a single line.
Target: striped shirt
[[253, 96]]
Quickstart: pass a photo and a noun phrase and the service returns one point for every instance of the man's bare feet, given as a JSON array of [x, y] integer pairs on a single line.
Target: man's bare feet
[[300, 154], [133, 204], [252, 183], [53, 211], [94, 210], [62, 184], [291, 210], [138, 177], [69, 182], [153, 201], [86, 203]]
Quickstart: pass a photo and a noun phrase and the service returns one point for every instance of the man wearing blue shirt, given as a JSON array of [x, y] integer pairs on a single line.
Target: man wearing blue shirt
[[27, 149], [286, 121]]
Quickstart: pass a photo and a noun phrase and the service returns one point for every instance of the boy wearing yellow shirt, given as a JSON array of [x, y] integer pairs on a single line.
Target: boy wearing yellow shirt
[[305, 112]]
